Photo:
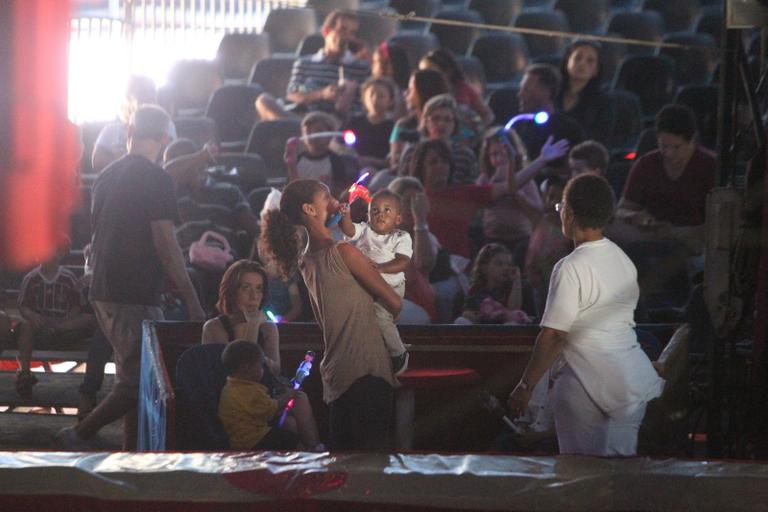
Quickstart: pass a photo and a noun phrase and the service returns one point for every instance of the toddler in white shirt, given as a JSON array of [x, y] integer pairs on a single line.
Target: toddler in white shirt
[[390, 250]]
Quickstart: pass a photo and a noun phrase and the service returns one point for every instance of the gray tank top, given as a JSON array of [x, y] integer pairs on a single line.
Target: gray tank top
[[354, 345]]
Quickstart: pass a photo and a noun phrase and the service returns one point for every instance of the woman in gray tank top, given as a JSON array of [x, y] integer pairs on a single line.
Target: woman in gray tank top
[[343, 285]]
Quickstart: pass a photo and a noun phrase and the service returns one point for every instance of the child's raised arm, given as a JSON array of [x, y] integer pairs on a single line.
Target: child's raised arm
[[346, 224]]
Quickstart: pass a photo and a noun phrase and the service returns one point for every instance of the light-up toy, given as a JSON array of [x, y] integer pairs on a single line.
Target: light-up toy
[[356, 191], [273, 317], [538, 118], [302, 372], [348, 136]]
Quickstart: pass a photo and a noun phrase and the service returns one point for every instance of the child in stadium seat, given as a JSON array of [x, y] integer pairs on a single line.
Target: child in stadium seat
[[372, 129], [497, 294], [51, 304], [249, 414]]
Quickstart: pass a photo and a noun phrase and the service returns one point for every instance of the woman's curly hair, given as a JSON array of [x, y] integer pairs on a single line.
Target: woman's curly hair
[[279, 237]]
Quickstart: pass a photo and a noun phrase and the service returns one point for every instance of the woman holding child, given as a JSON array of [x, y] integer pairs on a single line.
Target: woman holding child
[[603, 378], [356, 370]]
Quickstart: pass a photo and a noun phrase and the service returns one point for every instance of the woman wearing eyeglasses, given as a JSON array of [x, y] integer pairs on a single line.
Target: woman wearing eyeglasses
[[604, 379]]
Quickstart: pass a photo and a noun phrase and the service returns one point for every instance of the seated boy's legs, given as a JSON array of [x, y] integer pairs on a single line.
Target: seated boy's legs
[[281, 439], [304, 420], [122, 325]]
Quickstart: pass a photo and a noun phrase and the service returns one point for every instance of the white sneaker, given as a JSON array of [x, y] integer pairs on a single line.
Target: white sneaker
[[68, 440]]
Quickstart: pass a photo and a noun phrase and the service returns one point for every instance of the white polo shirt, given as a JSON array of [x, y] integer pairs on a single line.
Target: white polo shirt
[[593, 294]]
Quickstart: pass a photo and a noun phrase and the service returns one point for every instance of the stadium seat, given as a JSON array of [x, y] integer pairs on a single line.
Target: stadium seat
[[273, 74], [268, 140], [497, 12], [233, 109], [537, 4], [473, 71], [703, 101], [251, 169], [287, 27], [616, 174], [200, 377], [710, 21], [455, 39], [646, 142], [238, 52], [678, 14], [623, 5], [503, 103], [415, 45], [628, 122], [584, 16], [645, 26], [544, 46], [257, 197], [651, 77], [422, 8], [310, 45], [375, 28], [198, 129], [192, 82], [693, 65], [611, 57], [323, 7], [504, 57]]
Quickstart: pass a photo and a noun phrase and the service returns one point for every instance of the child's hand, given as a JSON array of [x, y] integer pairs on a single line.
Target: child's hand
[[291, 151], [344, 209], [373, 264]]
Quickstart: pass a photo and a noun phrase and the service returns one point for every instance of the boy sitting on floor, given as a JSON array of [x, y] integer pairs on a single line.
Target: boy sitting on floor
[[52, 307], [247, 411]]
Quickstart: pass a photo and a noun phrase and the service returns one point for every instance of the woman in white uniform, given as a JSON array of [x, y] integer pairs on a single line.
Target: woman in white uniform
[[603, 378]]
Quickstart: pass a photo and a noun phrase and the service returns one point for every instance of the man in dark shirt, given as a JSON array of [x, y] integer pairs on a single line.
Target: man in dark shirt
[[134, 245], [538, 89]]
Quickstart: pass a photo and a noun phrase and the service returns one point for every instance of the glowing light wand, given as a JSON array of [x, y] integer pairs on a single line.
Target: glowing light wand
[[356, 191], [538, 118], [302, 372]]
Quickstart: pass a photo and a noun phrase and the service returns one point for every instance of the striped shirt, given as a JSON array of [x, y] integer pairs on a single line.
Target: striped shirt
[[464, 164], [53, 298], [313, 72]]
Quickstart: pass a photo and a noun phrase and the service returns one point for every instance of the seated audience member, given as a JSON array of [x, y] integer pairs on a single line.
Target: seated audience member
[[538, 92], [413, 219], [250, 415], [474, 113], [391, 61], [589, 157], [5, 323], [510, 219], [423, 85], [440, 122], [315, 158], [667, 188], [51, 305], [206, 205], [454, 205], [112, 140], [547, 244], [373, 128], [581, 97], [497, 292], [328, 80]]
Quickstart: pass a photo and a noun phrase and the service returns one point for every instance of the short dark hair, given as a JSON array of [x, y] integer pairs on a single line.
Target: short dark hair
[[333, 17], [590, 198], [593, 153], [149, 122], [548, 76], [389, 194], [678, 120], [240, 353]]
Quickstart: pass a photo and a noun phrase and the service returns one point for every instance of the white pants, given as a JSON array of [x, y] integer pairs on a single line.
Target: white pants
[[387, 326], [583, 428]]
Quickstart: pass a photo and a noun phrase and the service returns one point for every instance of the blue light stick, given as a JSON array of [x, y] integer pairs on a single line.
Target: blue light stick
[[302, 372]]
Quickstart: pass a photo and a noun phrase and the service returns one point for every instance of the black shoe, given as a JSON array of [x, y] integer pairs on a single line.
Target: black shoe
[[400, 363]]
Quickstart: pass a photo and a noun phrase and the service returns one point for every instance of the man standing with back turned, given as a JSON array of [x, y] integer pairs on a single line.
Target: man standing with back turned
[[133, 214]]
